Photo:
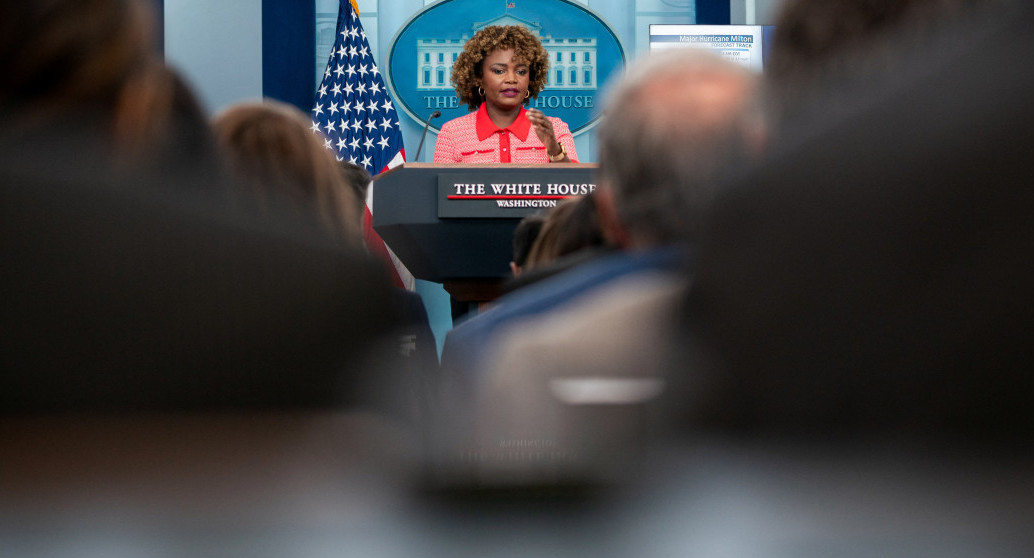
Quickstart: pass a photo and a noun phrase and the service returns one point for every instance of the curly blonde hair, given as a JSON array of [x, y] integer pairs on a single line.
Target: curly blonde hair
[[467, 70]]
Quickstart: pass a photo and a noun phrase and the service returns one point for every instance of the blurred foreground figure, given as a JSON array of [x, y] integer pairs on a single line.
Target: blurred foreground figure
[[857, 365], [89, 71], [859, 378], [278, 166], [132, 284], [824, 48], [873, 276], [170, 365], [145, 296], [562, 369]]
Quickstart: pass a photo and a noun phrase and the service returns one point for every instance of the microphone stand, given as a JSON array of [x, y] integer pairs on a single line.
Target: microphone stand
[[434, 114]]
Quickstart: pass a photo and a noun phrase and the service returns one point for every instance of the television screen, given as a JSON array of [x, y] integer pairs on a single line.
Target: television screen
[[743, 44]]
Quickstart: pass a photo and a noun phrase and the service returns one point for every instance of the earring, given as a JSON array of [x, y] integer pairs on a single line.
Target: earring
[[481, 91], [527, 93]]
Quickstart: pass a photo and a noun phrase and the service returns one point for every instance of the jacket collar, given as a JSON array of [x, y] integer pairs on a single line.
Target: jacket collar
[[485, 126]]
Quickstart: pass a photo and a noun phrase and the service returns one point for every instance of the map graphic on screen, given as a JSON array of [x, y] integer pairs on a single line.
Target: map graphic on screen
[[743, 44]]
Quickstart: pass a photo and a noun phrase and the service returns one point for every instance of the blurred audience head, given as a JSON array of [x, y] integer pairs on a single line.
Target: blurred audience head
[[672, 124], [69, 59], [88, 71], [278, 163], [571, 226], [159, 123], [523, 238], [820, 43], [358, 180]]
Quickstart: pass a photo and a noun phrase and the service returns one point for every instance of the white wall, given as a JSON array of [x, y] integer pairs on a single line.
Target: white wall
[[217, 45], [767, 10], [754, 12]]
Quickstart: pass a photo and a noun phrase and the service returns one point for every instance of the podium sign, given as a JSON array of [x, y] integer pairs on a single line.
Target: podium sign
[[456, 222], [511, 194]]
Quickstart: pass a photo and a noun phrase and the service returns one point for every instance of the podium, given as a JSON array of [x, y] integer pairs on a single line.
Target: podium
[[453, 224]]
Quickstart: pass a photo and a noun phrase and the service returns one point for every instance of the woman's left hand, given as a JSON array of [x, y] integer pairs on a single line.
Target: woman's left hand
[[544, 130]]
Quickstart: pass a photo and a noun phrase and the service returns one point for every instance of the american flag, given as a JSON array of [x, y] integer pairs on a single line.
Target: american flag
[[352, 108], [357, 119]]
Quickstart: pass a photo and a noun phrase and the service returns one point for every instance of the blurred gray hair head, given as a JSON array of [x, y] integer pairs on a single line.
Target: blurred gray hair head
[[671, 125]]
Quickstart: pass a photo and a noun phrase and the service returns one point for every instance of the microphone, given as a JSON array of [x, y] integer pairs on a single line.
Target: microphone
[[434, 114]]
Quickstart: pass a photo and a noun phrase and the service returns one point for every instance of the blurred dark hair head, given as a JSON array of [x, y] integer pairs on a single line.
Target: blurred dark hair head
[[358, 180], [819, 43], [70, 56], [159, 123], [524, 236], [89, 69], [581, 228]]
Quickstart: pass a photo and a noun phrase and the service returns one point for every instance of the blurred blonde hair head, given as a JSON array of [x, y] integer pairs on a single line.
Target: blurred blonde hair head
[[276, 160]]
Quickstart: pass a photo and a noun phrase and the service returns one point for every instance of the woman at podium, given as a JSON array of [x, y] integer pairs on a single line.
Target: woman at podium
[[499, 71]]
